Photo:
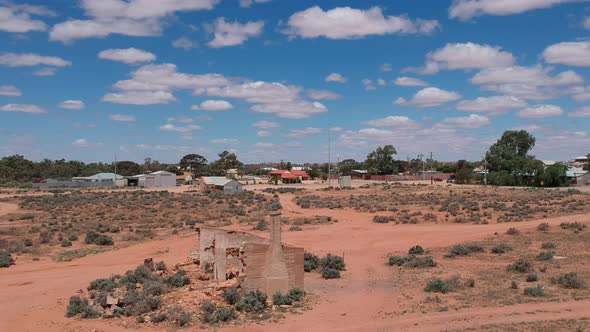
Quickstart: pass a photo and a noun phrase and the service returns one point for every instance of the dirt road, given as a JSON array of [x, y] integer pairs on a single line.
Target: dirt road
[[34, 295]]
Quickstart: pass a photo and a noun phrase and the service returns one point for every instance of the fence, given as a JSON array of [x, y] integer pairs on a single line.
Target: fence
[[71, 184]]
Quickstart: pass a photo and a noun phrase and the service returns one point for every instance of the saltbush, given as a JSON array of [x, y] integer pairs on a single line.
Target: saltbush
[[437, 285], [545, 256], [521, 266], [310, 262], [416, 250], [501, 249], [543, 227], [6, 259], [231, 295], [531, 278], [569, 280], [534, 291], [254, 301], [332, 262]]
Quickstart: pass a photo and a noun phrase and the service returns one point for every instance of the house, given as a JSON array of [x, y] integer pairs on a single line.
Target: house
[[116, 179], [219, 183], [232, 173], [159, 179], [578, 175], [360, 174], [286, 177]]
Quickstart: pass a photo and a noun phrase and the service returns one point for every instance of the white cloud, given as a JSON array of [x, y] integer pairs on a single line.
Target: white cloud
[[10, 90], [534, 83], [18, 20], [248, 3], [393, 122], [46, 71], [336, 77], [263, 133], [232, 34], [184, 43], [126, 17], [122, 117], [583, 112], [139, 97], [264, 145], [471, 121], [466, 56], [128, 55], [180, 129], [430, 97], [571, 54], [323, 95], [368, 84], [350, 23], [213, 105], [22, 108], [72, 105], [302, 132], [264, 124], [30, 60], [467, 9], [494, 104], [225, 141], [409, 81], [386, 67], [580, 93], [83, 143], [540, 111], [586, 23], [157, 147], [529, 127]]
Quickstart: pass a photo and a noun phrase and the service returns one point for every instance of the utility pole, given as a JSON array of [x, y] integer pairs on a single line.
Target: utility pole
[[431, 162], [420, 156], [485, 171], [329, 159]]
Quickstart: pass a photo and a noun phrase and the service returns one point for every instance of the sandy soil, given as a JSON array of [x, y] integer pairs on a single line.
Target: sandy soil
[[34, 294]]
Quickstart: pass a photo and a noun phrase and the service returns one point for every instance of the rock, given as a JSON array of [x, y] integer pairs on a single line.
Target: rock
[[111, 300]]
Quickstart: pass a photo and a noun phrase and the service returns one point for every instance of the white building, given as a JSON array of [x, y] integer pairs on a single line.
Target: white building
[[159, 179]]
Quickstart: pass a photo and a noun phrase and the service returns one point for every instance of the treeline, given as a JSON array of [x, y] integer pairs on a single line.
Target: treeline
[[16, 170]]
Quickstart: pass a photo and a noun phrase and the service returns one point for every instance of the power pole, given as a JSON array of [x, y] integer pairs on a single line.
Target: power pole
[[329, 158], [420, 156]]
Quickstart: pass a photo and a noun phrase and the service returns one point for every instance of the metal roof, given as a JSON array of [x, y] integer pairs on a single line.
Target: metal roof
[[574, 172], [101, 176], [216, 180]]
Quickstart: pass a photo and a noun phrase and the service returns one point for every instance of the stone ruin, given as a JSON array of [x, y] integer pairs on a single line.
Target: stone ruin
[[259, 263]]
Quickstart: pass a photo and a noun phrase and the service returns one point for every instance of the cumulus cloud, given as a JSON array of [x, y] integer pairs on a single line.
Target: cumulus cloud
[[534, 83], [323, 95], [471, 121], [157, 147], [336, 77], [409, 81], [72, 104], [302, 132], [540, 111], [430, 97], [571, 54], [125, 17], [22, 108], [386, 67], [184, 43], [263, 133], [225, 141], [139, 97], [232, 34], [180, 129], [393, 122], [586, 23], [264, 124], [351, 23], [466, 56], [84, 143], [122, 117], [494, 104], [10, 90], [31, 60], [128, 55], [248, 3], [17, 18], [580, 93], [368, 84], [467, 9], [583, 112], [213, 105], [264, 145], [47, 71]]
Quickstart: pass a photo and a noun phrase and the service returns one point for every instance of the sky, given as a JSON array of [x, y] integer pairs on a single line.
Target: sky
[[276, 80]]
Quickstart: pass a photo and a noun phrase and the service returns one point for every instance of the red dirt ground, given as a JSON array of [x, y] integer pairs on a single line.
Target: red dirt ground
[[35, 294]]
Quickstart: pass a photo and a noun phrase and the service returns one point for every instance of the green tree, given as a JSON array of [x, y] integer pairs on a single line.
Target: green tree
[[512, 144], [587, 166], [381, 160], [227, 160], [552, 176], [194, 163], [128, 168], [464, 172], [347, 165]]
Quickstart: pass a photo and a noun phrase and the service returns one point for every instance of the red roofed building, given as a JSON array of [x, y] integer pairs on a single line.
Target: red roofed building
[[288, 176]]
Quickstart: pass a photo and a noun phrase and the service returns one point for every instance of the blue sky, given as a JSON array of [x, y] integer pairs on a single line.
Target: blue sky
[[270, 79]]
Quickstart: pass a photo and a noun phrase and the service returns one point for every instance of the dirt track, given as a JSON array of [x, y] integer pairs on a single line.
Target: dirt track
[[34, 295]]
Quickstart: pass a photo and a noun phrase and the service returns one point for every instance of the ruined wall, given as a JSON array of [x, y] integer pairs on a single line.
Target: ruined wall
[[255, 266]]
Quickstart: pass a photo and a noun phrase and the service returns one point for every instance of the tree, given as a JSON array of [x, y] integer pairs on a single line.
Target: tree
[[464, 172], [227, 160], [381, 160], [347, 165], [313, 173], [194, 163], [512, 144], [587, 166], [128, 168], [552, 176]]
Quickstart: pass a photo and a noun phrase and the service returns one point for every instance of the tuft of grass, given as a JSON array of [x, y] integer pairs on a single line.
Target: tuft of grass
[[70, 255], [521, 266], [535, 291], [569, 280]]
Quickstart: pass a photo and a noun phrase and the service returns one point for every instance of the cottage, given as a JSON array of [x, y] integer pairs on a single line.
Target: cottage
[[286, 177], [219, 183]]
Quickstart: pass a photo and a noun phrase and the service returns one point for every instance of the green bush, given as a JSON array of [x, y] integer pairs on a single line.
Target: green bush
[[397, 260], [513, 285], [532, 278], [231, 295], [80, 306], [543, 227], [280, 299], [548, 245], [512, 231], [576, 226], [332, 262], [104, 240], [521, 266], [262, 225], [73, 237], [91, 236], [501, 249], [310, 262], [28, 243], [6, 259], [534, 291], [66, 243], [464, 250], [382, 219], [254, 301], [296, 294], [545, 256], [330, 273], [416, 250], [415, 261], [178, 279], [101, 284], [182, 318], [437, 285], [158, 318], [225, 314], [569, 280], [160, 266], [208, 311]]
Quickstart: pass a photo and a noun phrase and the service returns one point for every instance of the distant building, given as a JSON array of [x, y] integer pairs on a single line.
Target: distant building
[[360, 174], [219, 183], [577, 175], [286, 177], [232, 173], [159, 179]]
